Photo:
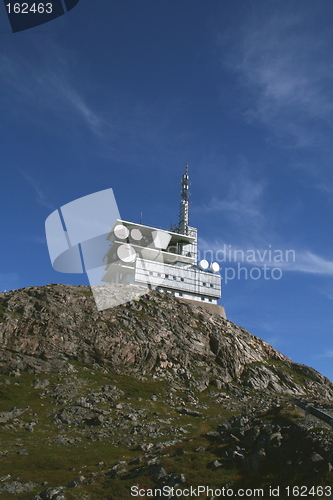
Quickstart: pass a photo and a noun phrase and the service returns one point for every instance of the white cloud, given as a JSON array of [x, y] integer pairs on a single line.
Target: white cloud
[[308, 262], [92, 120], [47, 87], [283, 257], [284, 61], [327, 354], [47, 84], [41, 196], [241, 202]]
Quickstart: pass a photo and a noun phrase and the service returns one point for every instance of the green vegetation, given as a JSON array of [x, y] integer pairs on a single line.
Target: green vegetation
[[91, 452], [86, 292]]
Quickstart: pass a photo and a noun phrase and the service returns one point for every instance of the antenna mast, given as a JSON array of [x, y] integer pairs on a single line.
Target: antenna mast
[[184, 204]]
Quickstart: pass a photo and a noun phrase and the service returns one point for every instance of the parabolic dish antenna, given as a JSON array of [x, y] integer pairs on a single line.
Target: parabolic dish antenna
[[203, 264], [126, 253], [214, 267], [121, 231], [136, 234]]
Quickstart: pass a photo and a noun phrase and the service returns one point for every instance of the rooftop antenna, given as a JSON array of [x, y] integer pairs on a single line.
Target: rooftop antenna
[[140, 217], [184, 204]]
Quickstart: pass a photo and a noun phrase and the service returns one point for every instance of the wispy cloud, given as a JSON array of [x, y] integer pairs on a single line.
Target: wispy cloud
[[41, 196], [85, 112], [327, 354], [241, 202], [49, 85], [287, 68], [123, 128], [308, 262], [283, 257]]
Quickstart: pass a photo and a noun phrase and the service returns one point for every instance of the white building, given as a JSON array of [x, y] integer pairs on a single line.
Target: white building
[[164, 260]]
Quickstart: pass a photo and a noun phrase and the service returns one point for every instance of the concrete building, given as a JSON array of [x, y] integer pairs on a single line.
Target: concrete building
[[164, 260]]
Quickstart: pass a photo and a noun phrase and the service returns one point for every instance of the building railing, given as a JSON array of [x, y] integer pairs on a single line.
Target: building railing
[[313, 411]]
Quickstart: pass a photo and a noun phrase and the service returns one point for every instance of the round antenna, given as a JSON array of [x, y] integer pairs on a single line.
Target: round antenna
[[203, 264], [136, 234], [214, 267], [126, 253], [121, 231]]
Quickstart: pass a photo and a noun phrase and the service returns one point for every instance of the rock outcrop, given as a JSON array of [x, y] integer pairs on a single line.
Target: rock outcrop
[[41, 328], [155, 393]]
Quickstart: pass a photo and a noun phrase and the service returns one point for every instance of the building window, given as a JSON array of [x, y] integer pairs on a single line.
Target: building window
[[175, 277], [210, 300], [204, 284], [180, 294], [181, 279], [167, 276], [202, 298]]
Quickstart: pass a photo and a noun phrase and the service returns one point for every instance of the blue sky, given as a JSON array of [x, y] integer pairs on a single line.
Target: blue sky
[[123, 94]]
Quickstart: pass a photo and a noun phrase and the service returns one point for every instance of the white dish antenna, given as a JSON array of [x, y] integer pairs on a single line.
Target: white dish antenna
[[126, 253], [136, 234], [214, 267], [121, 231], [203, 264]]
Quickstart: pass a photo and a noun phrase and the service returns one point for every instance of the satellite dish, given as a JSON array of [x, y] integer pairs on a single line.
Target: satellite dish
[[121, 231], [203, 264], [126, 253], [214, 267], [136, 234]]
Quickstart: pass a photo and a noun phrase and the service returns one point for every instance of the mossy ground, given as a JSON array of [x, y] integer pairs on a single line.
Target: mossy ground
[[92, 454], [54, 464]]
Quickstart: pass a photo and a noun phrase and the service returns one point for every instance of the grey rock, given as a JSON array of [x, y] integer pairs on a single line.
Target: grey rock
[[192, 413], [158, 472], [256, 460], [53, 494], [77, 415], [54, 325], [76, 482], [41, 384], [16, 487], [275, 439], [12, 414], [216, 464], [251, 437], [5, 478], [22, 452], [315, 458]]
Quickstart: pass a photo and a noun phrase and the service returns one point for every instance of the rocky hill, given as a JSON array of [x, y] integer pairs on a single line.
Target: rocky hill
[[44, 327], [157, 392]]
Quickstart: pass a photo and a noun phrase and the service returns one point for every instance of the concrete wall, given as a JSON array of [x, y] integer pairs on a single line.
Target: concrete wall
[[212, 308]]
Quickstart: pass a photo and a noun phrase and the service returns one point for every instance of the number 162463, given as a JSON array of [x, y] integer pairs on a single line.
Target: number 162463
[[24, 8]]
